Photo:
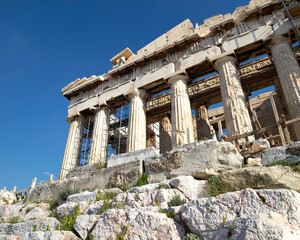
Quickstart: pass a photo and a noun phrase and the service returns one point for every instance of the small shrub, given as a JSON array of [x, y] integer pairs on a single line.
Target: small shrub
[[126, 186], [65, 193], [224, 221], [57, 227], [29, 209], [91, 237], [53, 204], [169, 214], [143, 180], [286, 163], [176, 201], [68, 221], [106, 202], [190, 236], [122, 235], [99, 166], [164, 185], [14, 220], [216, 186], [34, 228], [157, 202]]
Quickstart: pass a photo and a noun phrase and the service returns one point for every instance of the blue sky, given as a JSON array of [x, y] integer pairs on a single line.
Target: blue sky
[[46, 44]]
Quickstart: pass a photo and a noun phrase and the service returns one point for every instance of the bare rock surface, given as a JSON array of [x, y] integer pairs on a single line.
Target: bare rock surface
[[262, 177], [50, 235], [190, 187], [289, 153], [7, 197], [146, 199], [247, 214], [19, 229], [84, 224], [68, 208], [200, 160], [136, 224]]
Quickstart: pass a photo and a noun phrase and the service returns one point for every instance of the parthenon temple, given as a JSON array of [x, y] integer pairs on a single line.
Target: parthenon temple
[[166, 94]]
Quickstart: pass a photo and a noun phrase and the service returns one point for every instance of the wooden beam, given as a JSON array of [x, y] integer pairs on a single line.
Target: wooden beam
[[277, 121]]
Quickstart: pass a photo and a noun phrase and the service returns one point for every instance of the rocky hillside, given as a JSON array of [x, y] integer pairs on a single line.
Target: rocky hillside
[[252, 202], [174, 209]]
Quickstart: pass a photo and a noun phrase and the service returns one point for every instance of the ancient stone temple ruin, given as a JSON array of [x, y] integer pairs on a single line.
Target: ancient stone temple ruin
[[161, 96]]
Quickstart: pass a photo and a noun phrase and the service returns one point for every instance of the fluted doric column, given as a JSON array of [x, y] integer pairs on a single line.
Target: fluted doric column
[[136, 139], [181, 114], [165, 134], [72, 150], [236, 113], [98, 150], [204, 129], [288, 71]]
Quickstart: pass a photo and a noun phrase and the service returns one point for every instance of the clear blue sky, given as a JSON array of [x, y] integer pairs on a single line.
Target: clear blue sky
[[46, 44]]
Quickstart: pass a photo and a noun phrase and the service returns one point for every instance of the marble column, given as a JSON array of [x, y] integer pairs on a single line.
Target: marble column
[[203, 125], [288, 71], [165, 135], [72, 150], [98, 150], [236, 113], [181, 114], [136, 139]]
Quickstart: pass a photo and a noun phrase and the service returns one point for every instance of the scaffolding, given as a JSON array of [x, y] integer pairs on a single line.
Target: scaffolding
[[86, 140], [118, 131], [292, 9]]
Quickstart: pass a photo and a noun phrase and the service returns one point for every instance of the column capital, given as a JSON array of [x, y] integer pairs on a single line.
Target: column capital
[[99, 107], [135, 92], [74, 117], [224, 59], [277, 39], [178, 77]]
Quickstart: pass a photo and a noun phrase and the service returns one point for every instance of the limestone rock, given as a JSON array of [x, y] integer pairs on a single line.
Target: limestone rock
[[147, 199], [290, 153], [254, 162], [19, 229], [262, 177], [94, 208], [84, 223], [132, 156], [55, 235], [260, 144], [102, 179], [191, 188], [200, 160], [7, 197], [68, 208], [37, 212], [82, 197], [9, 211], [247, 214], [140, 225], [9, 237]]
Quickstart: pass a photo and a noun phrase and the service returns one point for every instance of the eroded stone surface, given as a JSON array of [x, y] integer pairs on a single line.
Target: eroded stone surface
[[200, 160], [141, 225], [7, 197], [247, 214]]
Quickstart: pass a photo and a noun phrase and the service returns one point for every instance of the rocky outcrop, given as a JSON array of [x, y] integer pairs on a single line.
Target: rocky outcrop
[[136, 224], [102, 179], [7, 197], [200, 160], [247, 214], [20, 229], [289, 153], [170, 210], [262, 177]]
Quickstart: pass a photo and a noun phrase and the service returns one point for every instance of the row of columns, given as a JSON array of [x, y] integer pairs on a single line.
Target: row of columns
[[237, 116]]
